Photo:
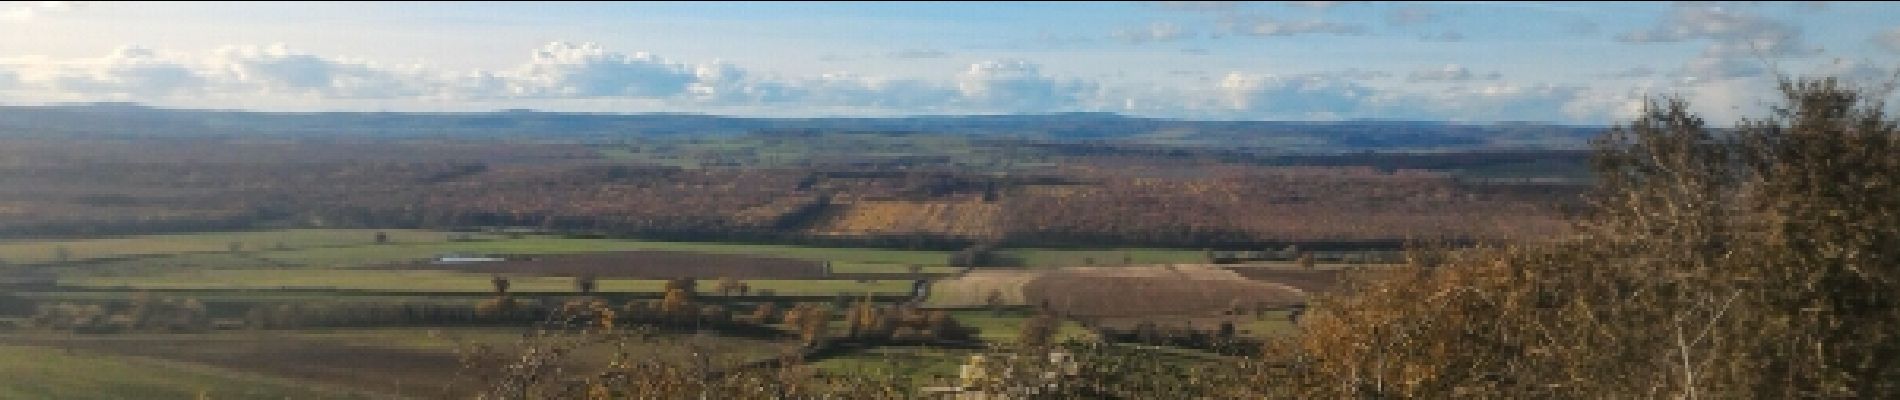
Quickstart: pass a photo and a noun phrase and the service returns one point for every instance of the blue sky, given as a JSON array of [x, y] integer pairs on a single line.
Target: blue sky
[[1586, 63]]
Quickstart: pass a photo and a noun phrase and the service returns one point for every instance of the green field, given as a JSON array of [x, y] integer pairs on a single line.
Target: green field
[[30, 372], [208, 250], [41, 251], [435, 281], [1005, 328], [354, 248], [301, 364], [1056, 258], [330, 265], [923, 365]]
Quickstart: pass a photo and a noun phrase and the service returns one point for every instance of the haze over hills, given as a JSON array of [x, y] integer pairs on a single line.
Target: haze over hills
[[133, 120]]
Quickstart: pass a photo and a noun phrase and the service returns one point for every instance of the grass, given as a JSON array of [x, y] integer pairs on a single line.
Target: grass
[[1055, 258], [435, 281], [46, 373], [924, 366], [355, 247], [1004, 328], [42, 251], [888, 268], [366, 254], [291, 364]]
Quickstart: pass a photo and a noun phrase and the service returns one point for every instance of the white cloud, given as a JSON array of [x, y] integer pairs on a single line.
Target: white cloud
[[1308, 97], [1153, 32], [721, 82], [1016, 85], [576, 77], [587, 70], [29, 10], [1451, 73], [127, 72], [278, 69], [1889, 39]]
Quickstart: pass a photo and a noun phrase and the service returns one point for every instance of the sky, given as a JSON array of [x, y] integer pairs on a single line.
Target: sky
[[1559, 62]]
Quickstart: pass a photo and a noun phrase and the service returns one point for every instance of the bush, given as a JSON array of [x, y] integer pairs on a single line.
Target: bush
[[1752, 264]]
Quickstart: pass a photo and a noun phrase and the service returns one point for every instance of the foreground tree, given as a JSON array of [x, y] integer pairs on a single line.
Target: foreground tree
[[1757, 263]]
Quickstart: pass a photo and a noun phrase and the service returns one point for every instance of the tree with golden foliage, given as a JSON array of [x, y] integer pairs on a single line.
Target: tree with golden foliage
[[1037, 331], [678, 306], [727, 286]]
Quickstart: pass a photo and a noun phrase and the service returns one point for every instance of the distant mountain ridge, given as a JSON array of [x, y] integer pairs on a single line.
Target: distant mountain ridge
[[132, 120]]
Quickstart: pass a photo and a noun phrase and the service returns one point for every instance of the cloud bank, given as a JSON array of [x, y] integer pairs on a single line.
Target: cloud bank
[[590, 77]]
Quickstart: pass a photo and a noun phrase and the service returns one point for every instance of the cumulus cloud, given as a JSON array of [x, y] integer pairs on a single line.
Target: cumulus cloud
[[1889, 39], [579, 75], [278, 69], [1307, 97], [129, 71], [721, 82], [555, 72], [1446, 36], [1451, 73], [1411, 15], [1153, 32], [1017, 85], [1258, 25], [587, 70], [28, 10]]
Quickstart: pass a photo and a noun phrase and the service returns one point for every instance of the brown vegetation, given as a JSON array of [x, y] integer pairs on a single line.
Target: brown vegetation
[[1184, 290], [1752, 265], [1149, 201]]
